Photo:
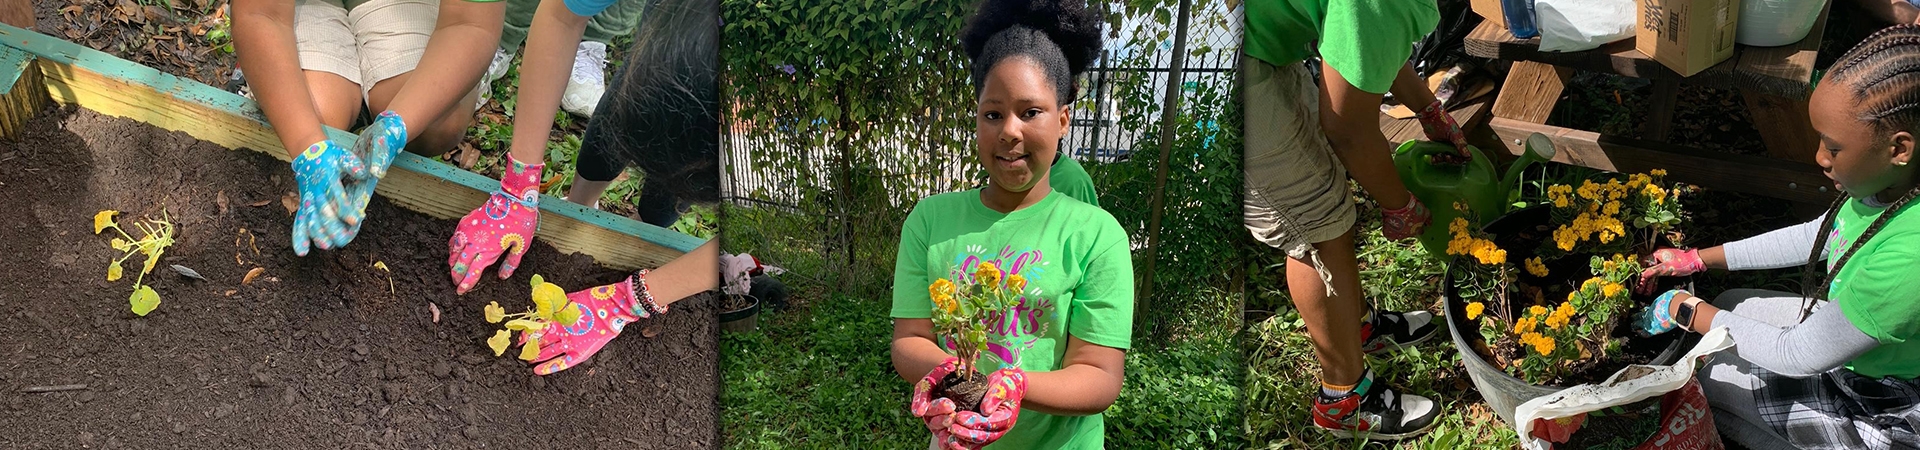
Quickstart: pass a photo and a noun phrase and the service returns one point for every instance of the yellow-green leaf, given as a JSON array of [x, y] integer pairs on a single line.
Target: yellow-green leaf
[[537, 280], [499, 342], [382, 265], [113, 272], [531, 350], [547, 298], [151, 259], [119, 244], [525, 325], [568, 315], [144, 300], [495, 312], [103, 220]]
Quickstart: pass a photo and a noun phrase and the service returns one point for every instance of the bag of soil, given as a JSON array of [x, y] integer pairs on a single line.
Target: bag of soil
[[1684, 422]]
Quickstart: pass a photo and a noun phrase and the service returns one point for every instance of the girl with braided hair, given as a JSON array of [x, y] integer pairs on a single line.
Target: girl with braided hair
[[1838, 367], [1053, 362]]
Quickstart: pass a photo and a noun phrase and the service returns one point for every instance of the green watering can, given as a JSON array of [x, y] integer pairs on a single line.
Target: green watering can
[[1440, 185]]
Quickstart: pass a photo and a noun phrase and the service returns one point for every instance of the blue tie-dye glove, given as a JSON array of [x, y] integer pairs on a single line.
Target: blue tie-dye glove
[[322, 172], [1656, 319], [378, 145]]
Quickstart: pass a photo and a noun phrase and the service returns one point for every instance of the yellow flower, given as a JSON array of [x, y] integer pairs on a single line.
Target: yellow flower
[[1659, 172], [1474, 309], [1535, 267], [1561, 201], [1612, 208], [1656, 194], [1611, 289], [1607, 266], [987, 275], [1458, 226], [1460, 206], [940, 287], [1565, 309], [1536, 310], [1017, 283], [1523, 325], [1544, 345]]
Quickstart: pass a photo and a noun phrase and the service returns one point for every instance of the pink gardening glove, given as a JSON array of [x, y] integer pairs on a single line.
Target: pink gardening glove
[[936, 413], [1441, 128], [1406, 222], [502, 226], [1669, 262], [1000, 409], [604, 311]]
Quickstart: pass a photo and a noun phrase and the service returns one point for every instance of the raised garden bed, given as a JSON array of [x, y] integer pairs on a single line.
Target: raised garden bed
[[316, 350]]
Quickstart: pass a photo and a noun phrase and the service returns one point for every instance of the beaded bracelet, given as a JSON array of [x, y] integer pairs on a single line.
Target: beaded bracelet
[[643, 296]]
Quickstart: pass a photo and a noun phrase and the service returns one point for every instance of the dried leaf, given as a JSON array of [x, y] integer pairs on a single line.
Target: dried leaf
[[498, 342], [436, 311], [220, 199], [113, 272], [144, 300], [649, 332], [531, 350], [230, 292], [187, 272], [260, 203], [252, 274], [382, 265], [291, 201], [102, 220]]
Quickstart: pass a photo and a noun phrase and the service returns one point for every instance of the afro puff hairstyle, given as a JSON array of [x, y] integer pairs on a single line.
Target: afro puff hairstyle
[[1060, 36]]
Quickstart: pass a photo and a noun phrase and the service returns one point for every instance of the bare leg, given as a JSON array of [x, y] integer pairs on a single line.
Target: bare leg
[[336, 98], [1333, 321], [587, 192], [1351, 119]]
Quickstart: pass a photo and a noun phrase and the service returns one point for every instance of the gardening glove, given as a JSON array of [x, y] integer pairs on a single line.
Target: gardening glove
[[1406, 222], [380, 142], [604, 311], [502, 226], [937, 413], [1440, 127], [325, 207], [1000, 409], [1670, 262], [1657, 318]]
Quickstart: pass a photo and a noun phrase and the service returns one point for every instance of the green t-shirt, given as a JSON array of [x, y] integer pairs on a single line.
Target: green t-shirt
[[1079, 272], [1367, 41], [1069, 178], [1877, 289]]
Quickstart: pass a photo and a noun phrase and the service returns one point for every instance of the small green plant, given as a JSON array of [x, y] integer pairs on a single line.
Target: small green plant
[[550, 307], [960, 307], [159, 235]]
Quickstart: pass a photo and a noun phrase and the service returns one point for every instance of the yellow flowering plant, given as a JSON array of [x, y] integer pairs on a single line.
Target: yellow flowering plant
[[1612, 215], [158, 236], [550, 308], [961, 307]]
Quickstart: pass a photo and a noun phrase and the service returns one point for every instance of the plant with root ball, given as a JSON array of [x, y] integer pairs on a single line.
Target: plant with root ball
[[159, 235], [550, 308], [960, 310]]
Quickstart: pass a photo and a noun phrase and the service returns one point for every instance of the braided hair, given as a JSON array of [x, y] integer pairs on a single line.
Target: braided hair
[[1062, 37], [1883, 73]]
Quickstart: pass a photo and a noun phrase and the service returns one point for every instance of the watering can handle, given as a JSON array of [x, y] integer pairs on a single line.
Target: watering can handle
[[1539, 149]]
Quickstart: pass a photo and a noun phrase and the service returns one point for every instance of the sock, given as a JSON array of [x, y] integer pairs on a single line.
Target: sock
[[1330, 390]]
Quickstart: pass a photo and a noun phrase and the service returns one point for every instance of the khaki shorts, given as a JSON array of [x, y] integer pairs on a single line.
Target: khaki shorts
[[374, 41], [1296, 189]]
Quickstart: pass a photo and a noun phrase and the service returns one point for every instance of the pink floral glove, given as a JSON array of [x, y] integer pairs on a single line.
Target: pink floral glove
[[502, 226], [1669, 262], [604, 311], [1440, 127], [936, 413], [1406, 222], [1000, 409]]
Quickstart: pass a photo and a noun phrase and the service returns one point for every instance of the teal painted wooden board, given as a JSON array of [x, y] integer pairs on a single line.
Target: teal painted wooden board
[[23, 46]]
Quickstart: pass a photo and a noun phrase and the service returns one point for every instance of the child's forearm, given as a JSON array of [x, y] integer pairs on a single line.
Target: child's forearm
[[1410, 90], [913, 351], [263, 41], [551, 40], [455, 59], [689, 274], [1074, 390]]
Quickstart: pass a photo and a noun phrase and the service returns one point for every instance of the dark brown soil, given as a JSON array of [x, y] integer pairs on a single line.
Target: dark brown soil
[[316, 353], [170, 35], [966, 395]]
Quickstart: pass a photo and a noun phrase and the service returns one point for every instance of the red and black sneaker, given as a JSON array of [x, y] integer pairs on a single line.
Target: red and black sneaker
[[1395, 330], [1374, 412]]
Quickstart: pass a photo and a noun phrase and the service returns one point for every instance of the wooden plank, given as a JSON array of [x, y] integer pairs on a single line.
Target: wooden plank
[[1469, 115], [1530, 91], [1620, 58], [1739, 173], [18, 13], [24, 93], [1660, 110], [1784, 125], [90, 79], [1785, 71]]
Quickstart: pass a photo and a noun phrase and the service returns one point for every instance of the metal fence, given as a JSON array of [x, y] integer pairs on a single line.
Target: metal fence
[[913, 155]]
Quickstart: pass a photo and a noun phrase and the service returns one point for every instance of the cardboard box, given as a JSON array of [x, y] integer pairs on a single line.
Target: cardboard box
[[1490, 10], [1687, 36]]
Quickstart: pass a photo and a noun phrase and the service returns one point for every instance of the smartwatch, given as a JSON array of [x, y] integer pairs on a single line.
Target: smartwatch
[[1684, 317]]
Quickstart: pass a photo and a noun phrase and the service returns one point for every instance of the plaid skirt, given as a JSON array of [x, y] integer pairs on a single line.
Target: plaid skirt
[[1840, 409]]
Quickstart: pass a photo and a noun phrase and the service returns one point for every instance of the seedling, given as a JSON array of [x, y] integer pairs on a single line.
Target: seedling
[[159, 235], [550, 307]]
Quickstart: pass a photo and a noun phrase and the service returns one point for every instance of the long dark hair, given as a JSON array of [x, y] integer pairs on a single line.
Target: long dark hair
[[663, 104], [1884, 74]]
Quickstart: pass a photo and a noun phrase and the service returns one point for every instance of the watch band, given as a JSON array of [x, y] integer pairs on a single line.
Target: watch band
[[1683, 318]]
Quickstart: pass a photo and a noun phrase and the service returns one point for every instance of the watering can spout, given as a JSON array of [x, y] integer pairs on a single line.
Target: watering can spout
[[1539, 148]]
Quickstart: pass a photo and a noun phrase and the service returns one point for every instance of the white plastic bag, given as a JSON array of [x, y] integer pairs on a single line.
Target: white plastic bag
[[1773, 23], [1611, 393], [1575, 25]]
